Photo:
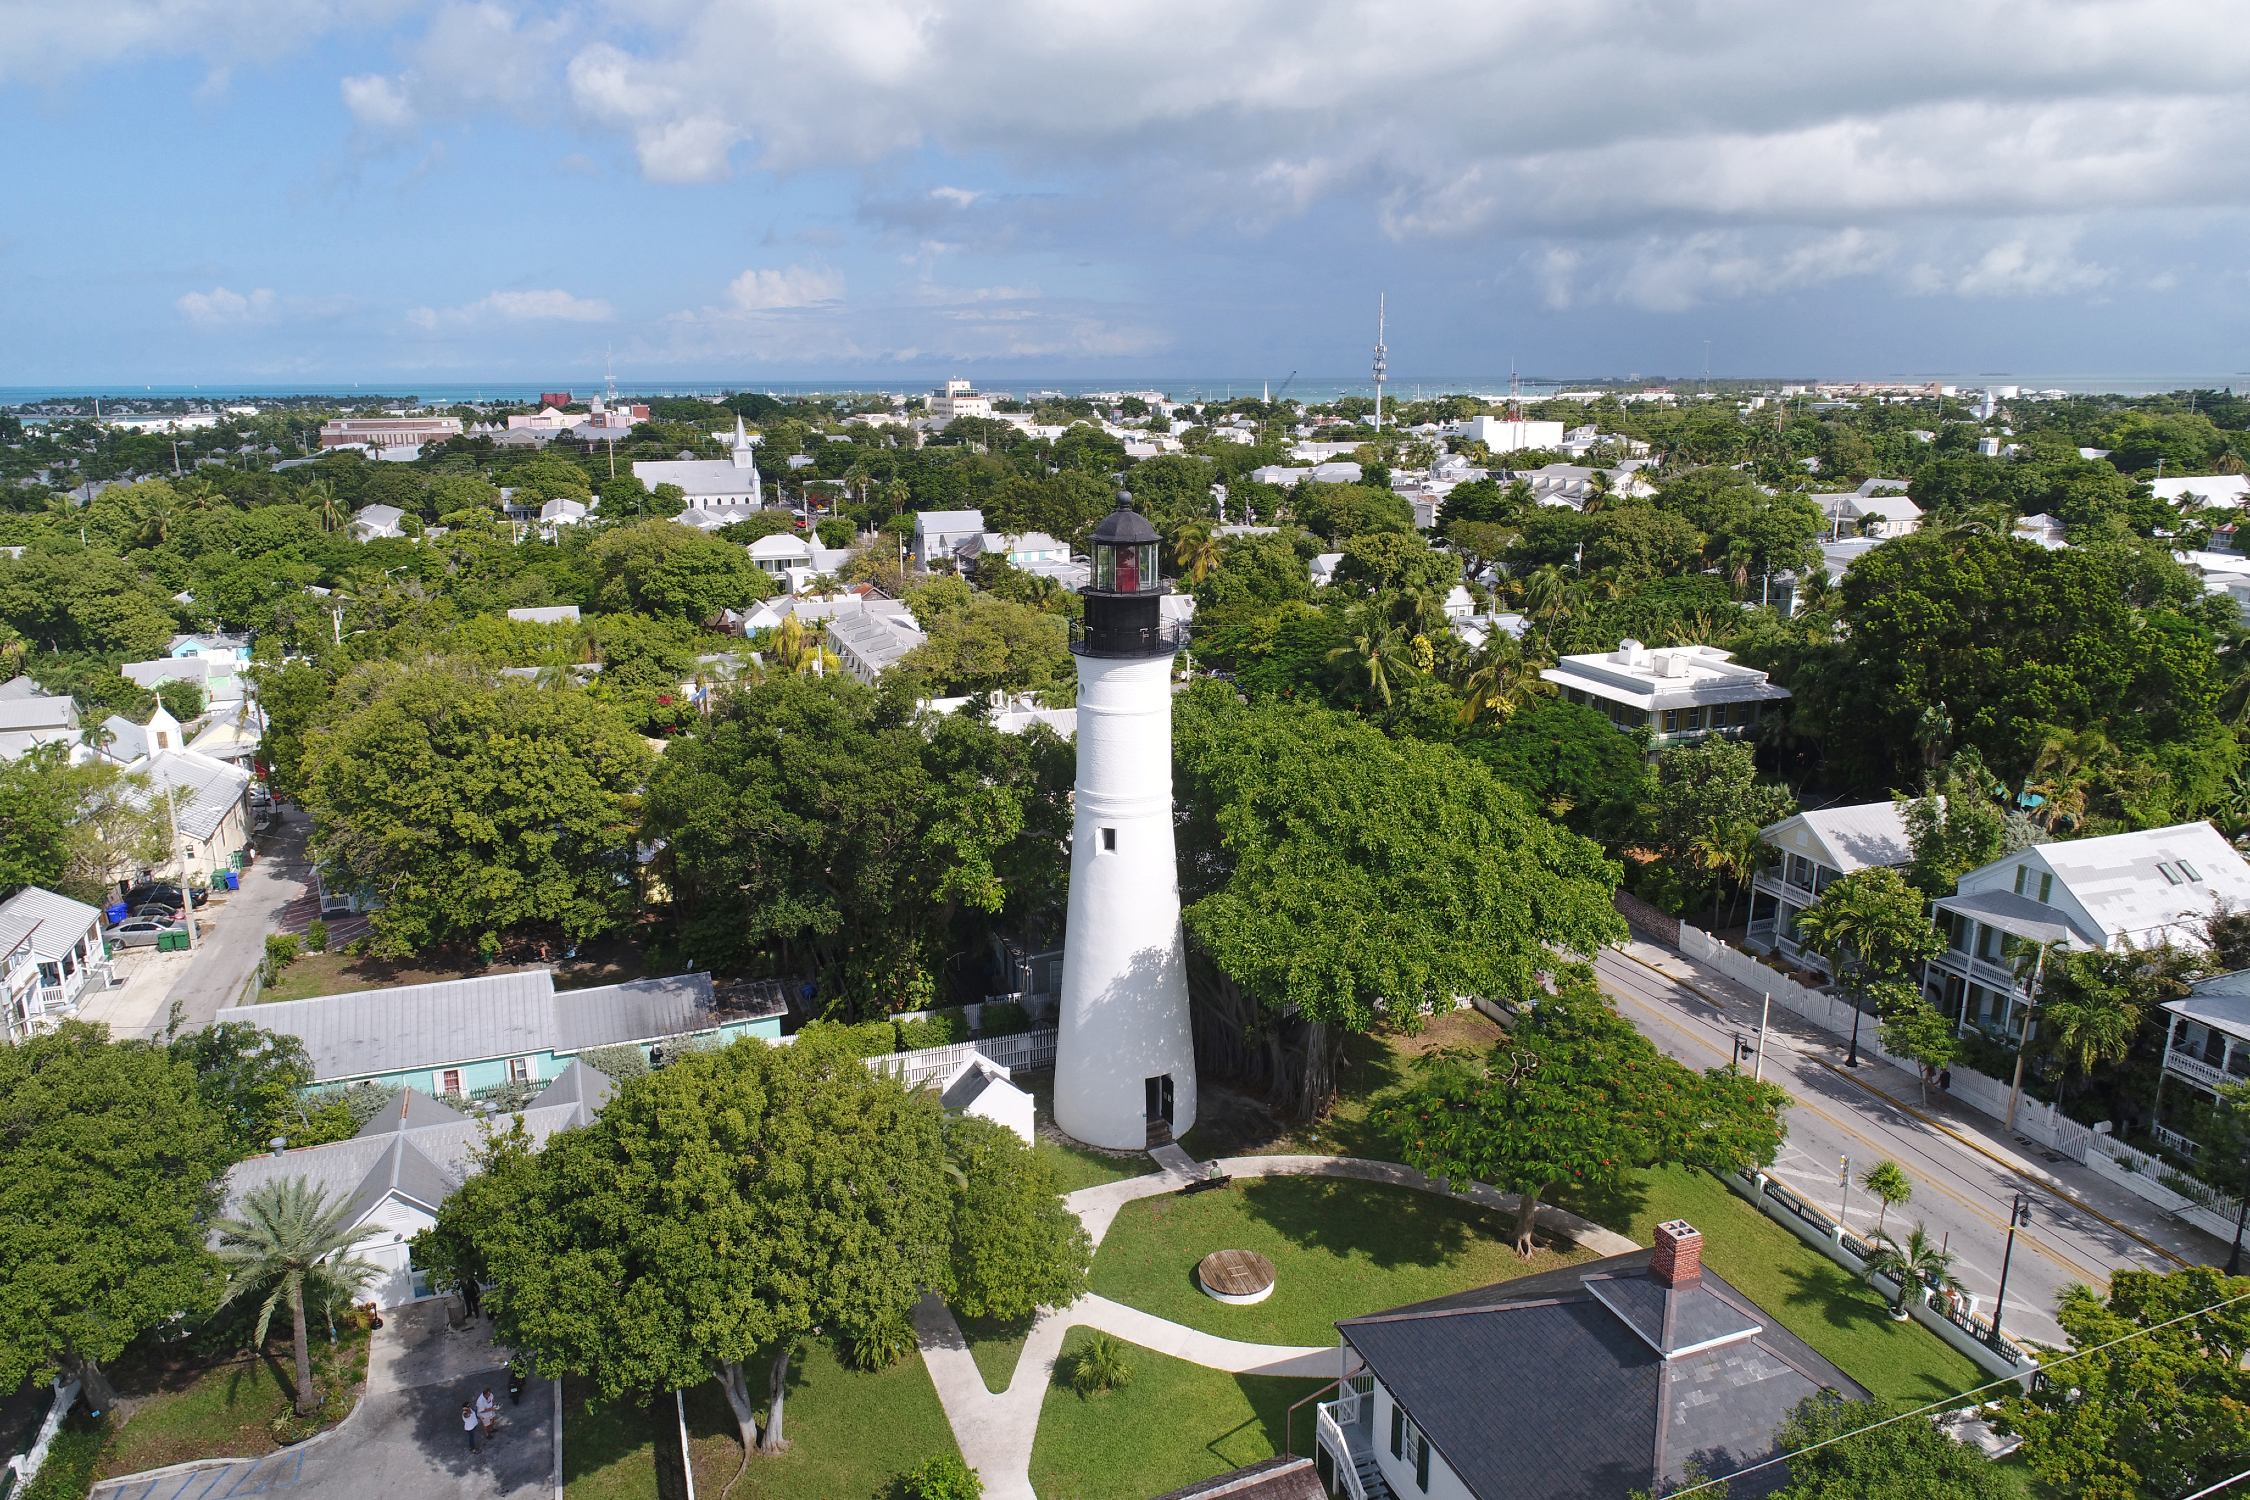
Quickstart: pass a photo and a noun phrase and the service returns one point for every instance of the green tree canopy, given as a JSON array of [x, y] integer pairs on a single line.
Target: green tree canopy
[[663, 568], [2166, 1410], [1574, 1096], [1908, 1459], [1336, 879], [475, 808], [113, 1161]]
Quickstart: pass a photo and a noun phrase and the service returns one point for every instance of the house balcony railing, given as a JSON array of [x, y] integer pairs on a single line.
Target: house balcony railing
[[1980, 971], [1775, 882], [2173, 1140], [2196, 1071], [1345, 1431]]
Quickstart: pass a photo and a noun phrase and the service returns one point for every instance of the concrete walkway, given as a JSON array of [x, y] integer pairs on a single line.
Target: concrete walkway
[[218, 974], [996, 1431]]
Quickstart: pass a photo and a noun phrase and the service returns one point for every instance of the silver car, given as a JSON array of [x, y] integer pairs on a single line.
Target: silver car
[[142, 932]]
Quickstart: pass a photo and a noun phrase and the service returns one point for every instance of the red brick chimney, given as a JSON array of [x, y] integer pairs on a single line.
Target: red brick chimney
[[1678, 1259]]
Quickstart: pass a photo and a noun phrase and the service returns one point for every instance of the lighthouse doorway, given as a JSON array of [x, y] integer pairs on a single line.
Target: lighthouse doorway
[[1159, 1092]]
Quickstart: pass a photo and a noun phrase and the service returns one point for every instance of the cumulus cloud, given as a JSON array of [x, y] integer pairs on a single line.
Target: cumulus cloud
[[377, 102], [224, 308], [470, 56], [2025, 265], [758, 290], [546, 306], [49, 40]]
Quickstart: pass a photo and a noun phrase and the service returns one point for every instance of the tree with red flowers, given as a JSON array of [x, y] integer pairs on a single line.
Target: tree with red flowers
[[1574, 1096]]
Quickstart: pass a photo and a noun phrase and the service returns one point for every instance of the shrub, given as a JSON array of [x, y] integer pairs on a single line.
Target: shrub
[[940, 1028], [512, 1095], [1100, 1366], [620, 1062], [1002, 1018], [282, 950], [68, 1472], [879, 1347], [860, 1039], [316, 936], [944, 1477]]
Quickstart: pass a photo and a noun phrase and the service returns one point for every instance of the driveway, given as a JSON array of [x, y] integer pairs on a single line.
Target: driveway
[[404, 1442], [219, 971]]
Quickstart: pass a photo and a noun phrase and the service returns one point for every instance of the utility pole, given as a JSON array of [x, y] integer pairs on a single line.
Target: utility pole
[[179, 861], [2019, 1213], [1765, 1016], [1382, 361], [2023, 1044], [1844, 1175]]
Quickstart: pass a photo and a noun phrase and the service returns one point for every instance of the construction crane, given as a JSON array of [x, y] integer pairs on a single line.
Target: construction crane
[[1277, 395]]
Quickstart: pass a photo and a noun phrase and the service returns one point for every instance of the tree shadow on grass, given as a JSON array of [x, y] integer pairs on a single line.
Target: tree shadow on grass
[[1825, 1297], [1266, 1432], [1389, 1227], [1617, 1205]]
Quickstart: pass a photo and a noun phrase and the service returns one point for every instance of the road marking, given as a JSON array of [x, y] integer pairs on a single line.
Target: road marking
[[2096, 1276]]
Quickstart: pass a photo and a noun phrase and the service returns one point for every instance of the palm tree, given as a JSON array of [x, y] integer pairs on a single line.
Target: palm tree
[[1197, 550], [13, 648], [1375, 651], [2063, 774], [1546, 596], [1917, 1262], [1499, 682], [1601, 487], [898, 494], [294, 1244], [856, 479], [321, 496]]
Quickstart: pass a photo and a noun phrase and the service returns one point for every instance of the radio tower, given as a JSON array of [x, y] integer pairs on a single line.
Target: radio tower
[[1382, 362]]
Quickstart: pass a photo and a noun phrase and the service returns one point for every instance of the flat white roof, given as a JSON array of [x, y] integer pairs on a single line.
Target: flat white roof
[[1666, 677]]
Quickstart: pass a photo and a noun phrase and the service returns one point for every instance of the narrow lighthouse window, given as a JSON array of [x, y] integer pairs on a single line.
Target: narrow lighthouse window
[[1109, 841]]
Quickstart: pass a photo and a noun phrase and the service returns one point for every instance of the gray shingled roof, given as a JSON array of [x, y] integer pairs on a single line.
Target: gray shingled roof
[[1606, 1413], [1274, 1479], [211, 788], [467, 1020]]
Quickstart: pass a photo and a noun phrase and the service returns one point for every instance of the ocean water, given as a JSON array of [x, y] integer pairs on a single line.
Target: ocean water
[[1195, 388]]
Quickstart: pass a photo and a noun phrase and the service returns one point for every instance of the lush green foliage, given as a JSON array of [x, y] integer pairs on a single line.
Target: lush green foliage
[[113, 1161], [1903, 1460], [475, 808]]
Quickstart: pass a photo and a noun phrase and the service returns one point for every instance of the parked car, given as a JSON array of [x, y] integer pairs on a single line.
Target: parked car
[[142, 932], [149, 890], [162, 911]]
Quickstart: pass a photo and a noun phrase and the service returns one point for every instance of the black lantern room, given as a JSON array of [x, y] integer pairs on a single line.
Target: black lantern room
[[1123, 603]]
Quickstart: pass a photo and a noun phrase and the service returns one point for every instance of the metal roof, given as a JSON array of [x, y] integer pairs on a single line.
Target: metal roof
[[52, 923], [457, 1021], [210, 788], [2221, 1002], [1862, 836]]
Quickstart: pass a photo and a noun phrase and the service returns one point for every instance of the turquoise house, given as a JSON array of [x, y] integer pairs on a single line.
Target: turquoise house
[[458, 1037]]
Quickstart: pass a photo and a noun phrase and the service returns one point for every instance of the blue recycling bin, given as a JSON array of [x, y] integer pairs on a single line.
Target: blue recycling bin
[[234, 881], [115, 912]]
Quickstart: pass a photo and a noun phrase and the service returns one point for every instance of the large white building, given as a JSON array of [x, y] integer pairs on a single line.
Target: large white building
[[1505, 434], [2125, 890], [709, 483], [958, 398], [1125, 1057], [1679, 694]]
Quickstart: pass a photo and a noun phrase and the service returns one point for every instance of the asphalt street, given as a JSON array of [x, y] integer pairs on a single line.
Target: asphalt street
[[1961, 1195]]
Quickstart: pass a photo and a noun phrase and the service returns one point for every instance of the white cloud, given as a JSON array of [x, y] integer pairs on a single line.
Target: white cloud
[[49, 40], [787, 287], [222, 308], [959, 197], [377, 102], [2027, 265], [547, 306]]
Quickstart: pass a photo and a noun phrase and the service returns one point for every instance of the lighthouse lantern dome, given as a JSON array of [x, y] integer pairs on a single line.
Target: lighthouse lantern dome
[[1124, 548]]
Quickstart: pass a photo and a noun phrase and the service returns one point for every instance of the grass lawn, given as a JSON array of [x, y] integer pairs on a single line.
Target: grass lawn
[[338, 973], [995, 1346], [607, 1447], [1339, 1249], [225, 1409], [1176, 1423], [851, 1434], [1075, 1166], [1814, 1298]]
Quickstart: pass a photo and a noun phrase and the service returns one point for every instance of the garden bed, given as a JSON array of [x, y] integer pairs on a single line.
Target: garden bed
[[172, 1412]]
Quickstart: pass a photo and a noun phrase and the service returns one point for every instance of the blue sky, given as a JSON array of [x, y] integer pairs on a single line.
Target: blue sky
[[275, 190]]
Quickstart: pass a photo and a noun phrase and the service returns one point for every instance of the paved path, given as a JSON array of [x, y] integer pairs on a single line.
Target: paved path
[[403, 1442], [1964, 1166], [219, 971], [996, 1431]]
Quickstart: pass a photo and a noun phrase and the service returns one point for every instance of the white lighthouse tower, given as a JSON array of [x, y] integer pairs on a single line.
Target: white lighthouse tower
[[1124, 1059]]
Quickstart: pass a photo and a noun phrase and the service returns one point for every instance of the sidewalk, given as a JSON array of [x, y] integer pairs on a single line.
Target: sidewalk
[[1900, 1089]]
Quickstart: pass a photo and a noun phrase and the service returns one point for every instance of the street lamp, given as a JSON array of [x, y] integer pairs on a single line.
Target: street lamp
[[2234, 1255], [2019, 1213]]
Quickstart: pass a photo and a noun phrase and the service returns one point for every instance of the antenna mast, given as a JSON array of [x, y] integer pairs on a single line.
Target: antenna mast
[[1382, 362]]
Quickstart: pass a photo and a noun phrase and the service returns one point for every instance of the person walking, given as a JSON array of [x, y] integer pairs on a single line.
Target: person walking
[[487, 1408], [470, 1425], [1945, 1080]]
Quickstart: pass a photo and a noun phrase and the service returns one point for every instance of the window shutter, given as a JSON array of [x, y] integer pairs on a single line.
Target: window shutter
[[1421, 1463], [1398, 1432]]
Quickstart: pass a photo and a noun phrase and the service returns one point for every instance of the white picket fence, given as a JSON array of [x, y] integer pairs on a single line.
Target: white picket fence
[[2035, 1120], [1033, 1049]]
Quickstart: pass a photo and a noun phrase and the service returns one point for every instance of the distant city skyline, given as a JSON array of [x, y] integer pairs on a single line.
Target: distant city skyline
[[297, 193]]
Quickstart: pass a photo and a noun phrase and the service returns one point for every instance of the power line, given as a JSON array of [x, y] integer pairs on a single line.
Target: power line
[[2222, 1484], [1973, 1390]]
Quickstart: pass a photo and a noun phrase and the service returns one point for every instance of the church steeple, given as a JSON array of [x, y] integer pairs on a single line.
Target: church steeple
[[745, 458]]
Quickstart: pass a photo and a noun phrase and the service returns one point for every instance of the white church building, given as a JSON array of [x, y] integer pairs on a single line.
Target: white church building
[[711, 484], [1125, 1056]]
